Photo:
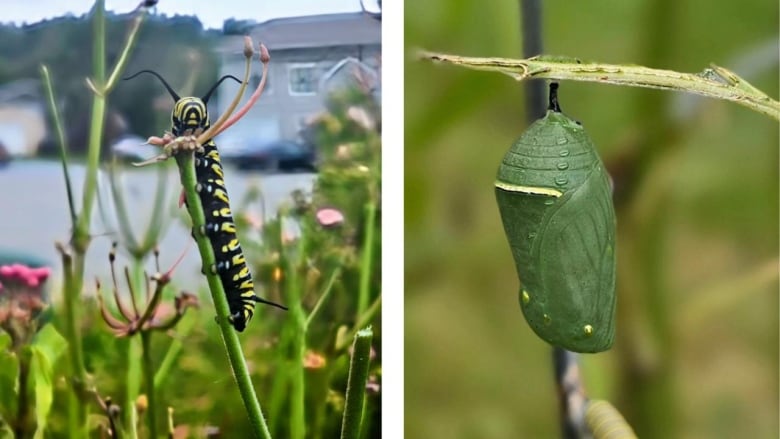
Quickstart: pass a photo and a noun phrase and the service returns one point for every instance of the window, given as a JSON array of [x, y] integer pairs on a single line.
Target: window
[[303, 79]]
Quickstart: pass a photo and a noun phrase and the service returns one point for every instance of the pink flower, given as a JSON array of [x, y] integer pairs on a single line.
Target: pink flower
[[42, 273], [328, 217], [32, 281]]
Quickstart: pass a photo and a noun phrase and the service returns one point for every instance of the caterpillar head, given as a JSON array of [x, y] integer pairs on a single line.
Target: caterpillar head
[[188, 112]]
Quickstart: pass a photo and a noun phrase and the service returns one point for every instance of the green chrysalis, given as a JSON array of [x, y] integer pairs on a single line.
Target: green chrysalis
[[555, 201]]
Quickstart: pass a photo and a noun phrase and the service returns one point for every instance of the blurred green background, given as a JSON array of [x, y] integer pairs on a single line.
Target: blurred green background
[[697, 204]]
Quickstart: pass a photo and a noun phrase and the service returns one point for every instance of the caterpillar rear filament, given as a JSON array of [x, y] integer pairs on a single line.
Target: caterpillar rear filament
[[188, 115]]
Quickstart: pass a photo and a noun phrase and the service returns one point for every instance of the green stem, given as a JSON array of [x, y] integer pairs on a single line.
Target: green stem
[[125, 55], [366, 258], [81, 234], [297, 382], [356, 385], [229, 335], [73, 267], [123, 219], [61, 141], [133, 385], [362, 320], [151, 410], [164, 369], [323, 296], [156, 223], [22, 427], [715, 82]]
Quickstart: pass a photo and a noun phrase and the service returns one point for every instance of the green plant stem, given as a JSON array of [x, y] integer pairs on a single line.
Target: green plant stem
[[133, 384], [715, 82], [81, 234], [134, 353], [229, 335], [164, 369], [125, 55], [72, 279], [80, 240], [362, 320], [61, 141], [356, 384], [323, 296], [120, 209], [22, 424], [366, 258], [151, 410], [157, 221], [298, 346]]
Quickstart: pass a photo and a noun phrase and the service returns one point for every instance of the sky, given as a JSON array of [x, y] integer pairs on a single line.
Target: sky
[[211, 13]]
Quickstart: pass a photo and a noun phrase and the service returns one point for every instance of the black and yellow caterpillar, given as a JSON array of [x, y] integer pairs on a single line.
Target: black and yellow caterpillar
[[190, 114]]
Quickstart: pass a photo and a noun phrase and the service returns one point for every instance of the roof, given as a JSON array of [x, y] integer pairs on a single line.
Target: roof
[[326, 30]]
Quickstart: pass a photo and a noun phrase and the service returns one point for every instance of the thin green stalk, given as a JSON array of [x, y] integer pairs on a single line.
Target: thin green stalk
[[61, 141], [133, 360], [366, 258], [80, 240], [356, 385], [298, 322], [81, 234], [156, 223], [125, 55], [715, 82], [151, 409], [362, 320], [133, 382], [23, 425], [123, 219], [229, 335], [164, 369], [133, 421], [73, 265], [323, 296]]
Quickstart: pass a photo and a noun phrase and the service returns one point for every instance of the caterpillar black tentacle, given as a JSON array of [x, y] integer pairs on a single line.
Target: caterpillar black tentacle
[[191, 113]]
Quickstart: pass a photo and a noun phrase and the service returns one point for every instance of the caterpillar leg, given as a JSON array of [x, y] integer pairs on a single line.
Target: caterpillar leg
[[236, 320]]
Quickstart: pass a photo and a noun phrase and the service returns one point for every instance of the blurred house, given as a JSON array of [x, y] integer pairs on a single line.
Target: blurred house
[[22, 118], [310, 56]]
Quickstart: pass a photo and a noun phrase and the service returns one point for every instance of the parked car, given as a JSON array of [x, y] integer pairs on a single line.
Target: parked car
[[278, 155]]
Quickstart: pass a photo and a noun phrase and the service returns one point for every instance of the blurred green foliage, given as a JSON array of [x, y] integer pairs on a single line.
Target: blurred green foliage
[[697, 206]]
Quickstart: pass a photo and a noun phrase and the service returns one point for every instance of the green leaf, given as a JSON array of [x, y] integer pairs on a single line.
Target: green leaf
[[46, 348], [50, 342], [9, 385]]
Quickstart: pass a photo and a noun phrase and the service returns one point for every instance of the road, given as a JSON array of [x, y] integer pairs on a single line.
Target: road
[[34, 213]]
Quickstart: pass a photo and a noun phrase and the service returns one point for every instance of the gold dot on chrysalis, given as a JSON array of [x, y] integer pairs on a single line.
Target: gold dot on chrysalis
[[588, 330], [526, 297], [547, 319]]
